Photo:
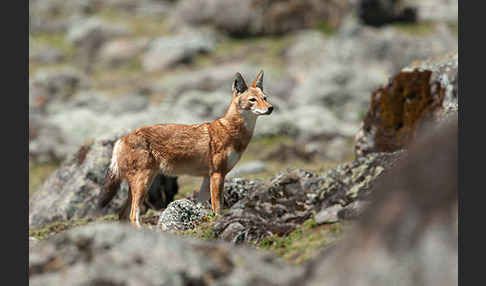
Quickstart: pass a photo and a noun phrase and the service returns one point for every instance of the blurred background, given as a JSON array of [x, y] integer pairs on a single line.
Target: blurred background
[[98, 68]]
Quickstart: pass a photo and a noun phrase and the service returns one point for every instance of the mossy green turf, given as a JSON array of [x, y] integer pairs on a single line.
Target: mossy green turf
[[60, 226], [304, 243]]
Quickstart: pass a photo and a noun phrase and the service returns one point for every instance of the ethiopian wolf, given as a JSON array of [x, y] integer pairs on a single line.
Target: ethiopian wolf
[[209, 150]]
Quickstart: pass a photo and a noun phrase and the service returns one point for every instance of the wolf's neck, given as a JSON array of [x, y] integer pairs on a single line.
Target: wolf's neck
[[238, 119]]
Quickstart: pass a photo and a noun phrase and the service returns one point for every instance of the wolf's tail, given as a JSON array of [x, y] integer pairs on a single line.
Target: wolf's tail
[[113, 178]]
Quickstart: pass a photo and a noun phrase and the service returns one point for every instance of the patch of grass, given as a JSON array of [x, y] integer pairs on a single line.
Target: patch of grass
[[325, 28], [57, 227], [303, 243], [204, 230], [263, 51], [38, 173], [150, 26], [55, 40], [416, 29]]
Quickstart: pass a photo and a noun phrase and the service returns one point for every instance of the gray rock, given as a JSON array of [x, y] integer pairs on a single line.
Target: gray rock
[[328, 215], [182, 215], [120, 254], [45, 141], [247, 168], [246, 18], [91, 30], [121, 51], [437, 10], [290, 198], [59, 83], [44, 54], [88, 35], [72, 190], [409, 234], [167, 51], [354, 210]]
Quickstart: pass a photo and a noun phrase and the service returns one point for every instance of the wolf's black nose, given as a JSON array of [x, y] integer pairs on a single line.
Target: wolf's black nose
[[270, 109]]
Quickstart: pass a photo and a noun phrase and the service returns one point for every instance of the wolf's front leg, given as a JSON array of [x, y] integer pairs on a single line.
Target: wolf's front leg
[[217, 187]]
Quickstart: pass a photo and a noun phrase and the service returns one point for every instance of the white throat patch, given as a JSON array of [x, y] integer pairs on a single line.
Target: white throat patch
[[249, 119]]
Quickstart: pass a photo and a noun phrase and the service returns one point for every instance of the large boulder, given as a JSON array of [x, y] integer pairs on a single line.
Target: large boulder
[[167, 51], [422, 92], [249, 17], [117, 254], [409, 234], [72, 190], [259, 208]]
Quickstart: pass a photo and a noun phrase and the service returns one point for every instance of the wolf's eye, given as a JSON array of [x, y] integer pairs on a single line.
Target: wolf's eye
[[265, 98], [252, 99]]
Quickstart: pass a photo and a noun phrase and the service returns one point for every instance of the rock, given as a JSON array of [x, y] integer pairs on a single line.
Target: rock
[[58, 84], [437, 10], [412, 98], [353, 211], [117, 254], [382, 12], [72, 190], [290, 198], [328, 215], [410, 230], [247, 17], [247, 168], [182, 215], [121, 51], [45, 142], [90, 34], [44, 54], [167, 51]]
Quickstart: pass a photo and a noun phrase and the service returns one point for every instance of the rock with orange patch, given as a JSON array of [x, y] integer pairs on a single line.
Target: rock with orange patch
[[421, 93]]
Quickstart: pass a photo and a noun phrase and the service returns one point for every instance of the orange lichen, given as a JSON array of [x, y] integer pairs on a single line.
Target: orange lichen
[[397, 109]]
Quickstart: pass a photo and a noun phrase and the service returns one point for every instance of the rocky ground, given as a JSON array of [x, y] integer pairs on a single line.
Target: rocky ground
[[355, 84]]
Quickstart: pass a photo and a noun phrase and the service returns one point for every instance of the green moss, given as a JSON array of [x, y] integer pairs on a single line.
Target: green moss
[[325, 28], [203, 230], [56, 227], [55, 40], [416, 29], [260, 51], [303, 243], [140, 25]]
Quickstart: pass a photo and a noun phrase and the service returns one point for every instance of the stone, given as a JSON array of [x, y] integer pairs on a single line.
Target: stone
[[249, 18], [328, 215], [353, 211], [247, 168], [168, 51], [278, 206], [72, 190], [182, 215], [116, 254], [410, 230], [414, 97]]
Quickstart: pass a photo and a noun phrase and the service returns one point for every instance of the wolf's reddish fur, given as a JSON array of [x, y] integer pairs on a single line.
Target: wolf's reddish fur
[[209, 150]]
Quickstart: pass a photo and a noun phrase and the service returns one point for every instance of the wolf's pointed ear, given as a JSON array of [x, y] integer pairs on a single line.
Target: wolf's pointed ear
[[239, 84], [258, 81]]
